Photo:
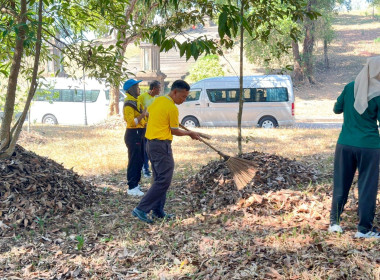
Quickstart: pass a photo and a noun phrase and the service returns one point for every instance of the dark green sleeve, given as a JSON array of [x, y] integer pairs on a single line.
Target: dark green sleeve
[[338, 106], [378, 109]]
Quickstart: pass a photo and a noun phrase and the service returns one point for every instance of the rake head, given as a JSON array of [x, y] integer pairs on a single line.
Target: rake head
[[242, 170]]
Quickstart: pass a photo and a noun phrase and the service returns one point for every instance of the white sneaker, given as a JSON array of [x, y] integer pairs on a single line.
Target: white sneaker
[[135, 191], [335, 228], [370, 234]]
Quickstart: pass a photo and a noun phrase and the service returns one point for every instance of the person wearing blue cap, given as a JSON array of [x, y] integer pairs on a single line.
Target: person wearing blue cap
[[135, 117]]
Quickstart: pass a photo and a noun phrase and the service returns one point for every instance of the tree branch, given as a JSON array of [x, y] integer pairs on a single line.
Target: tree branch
[[4, 10]]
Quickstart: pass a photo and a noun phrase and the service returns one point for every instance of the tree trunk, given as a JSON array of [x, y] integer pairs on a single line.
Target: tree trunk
[[308, 45], [373, 9], [16, 130], [325, 54], [114, 101], [113, 108], [297, 71], [5, 136], [241, 93]]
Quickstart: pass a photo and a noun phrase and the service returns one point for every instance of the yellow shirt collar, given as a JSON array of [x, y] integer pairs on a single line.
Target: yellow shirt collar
[[130, 97]]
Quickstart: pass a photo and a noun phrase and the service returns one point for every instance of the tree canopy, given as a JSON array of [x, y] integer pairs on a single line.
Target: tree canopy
[[28, 28]]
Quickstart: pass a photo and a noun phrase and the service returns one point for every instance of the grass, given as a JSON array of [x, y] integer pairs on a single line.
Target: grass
[[99, 151], [284, 237]]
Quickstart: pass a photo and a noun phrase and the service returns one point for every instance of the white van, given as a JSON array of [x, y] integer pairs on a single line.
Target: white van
[[268, 102], [61, 101]]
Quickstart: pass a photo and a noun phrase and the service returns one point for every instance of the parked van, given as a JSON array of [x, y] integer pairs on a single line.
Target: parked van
[[268, 102], [61, 101]]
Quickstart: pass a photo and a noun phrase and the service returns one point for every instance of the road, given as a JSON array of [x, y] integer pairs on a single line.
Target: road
[[318, 125]]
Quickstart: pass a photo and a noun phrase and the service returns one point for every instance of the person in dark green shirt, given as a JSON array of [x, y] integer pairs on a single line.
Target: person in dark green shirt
[[358, 147]]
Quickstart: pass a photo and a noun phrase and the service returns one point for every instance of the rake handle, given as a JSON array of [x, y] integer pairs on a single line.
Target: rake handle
[[208, 137], [200, 134]]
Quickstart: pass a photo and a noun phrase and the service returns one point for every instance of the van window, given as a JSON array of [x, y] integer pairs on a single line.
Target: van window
[[250, 95], [217, 95], [193, 95], [66, 95], [91, 95], [121, 97], [277, 94], [223, 95]]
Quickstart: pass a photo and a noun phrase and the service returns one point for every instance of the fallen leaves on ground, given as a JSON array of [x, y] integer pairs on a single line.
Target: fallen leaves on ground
[[213, 186], [34, 189], [275, 231]]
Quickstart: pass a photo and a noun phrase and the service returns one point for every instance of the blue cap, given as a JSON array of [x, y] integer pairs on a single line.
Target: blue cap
[[131, 82]]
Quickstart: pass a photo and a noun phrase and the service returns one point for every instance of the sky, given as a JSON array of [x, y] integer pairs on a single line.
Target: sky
[[359, 4]]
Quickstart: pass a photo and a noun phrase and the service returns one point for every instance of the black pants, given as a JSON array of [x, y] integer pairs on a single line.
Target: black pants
[[347, 160], [162, 162], [134, 139], [146, 158]]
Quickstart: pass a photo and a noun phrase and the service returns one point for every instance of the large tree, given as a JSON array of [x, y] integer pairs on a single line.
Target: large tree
[[26, 31], [155, 21], [69, 18], [373, 4], [260, 20], [309, 30]]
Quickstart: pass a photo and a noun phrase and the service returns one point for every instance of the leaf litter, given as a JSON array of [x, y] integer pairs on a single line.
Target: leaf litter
[[273, 229], [34, 189]]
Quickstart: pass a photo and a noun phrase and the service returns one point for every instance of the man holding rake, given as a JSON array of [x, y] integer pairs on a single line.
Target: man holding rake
[[162, 125]]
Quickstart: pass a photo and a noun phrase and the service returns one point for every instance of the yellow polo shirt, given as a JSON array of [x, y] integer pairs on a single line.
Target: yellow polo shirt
[[130, 114], [146, 99], [163, 115]]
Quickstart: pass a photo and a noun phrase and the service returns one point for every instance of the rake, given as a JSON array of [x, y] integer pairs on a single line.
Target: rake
[[242, 170]]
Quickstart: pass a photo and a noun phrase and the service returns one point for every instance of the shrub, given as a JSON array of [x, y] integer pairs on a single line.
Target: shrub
[[205, 67]]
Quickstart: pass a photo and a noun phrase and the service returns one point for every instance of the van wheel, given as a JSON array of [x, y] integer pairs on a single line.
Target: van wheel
[[190, 122], [268, 122], [49, 119]]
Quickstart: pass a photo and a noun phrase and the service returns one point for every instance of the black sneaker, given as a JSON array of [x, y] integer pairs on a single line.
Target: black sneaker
[[141, 215], [162, 215]]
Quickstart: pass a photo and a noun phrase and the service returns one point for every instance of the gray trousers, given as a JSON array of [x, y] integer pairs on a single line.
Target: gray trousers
[[162, 163], [347, 160]]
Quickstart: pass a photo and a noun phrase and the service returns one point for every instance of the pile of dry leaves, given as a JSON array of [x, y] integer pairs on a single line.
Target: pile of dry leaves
[[34, 189], [213, 187], [112, 122]]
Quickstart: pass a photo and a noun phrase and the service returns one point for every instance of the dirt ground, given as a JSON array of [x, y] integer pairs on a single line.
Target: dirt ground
[[353, 44], [279, 234]]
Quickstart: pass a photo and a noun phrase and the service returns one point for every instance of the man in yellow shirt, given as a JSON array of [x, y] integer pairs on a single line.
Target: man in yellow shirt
[[134, 115], [146, 99], [162, 125]]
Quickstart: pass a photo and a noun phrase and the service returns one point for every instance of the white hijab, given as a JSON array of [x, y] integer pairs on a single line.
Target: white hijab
[[367, 84]]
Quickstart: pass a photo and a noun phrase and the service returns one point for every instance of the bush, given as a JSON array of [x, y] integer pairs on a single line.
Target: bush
[[205, 67]]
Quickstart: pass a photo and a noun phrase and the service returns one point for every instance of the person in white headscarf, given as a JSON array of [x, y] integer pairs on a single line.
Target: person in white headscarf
[[358, 148]]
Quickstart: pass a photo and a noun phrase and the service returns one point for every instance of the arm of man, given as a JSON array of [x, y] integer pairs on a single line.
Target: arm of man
[[180, 132], [338, 106], [129, 116]]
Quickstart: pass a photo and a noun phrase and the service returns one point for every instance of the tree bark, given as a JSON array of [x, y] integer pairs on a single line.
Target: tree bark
[[308, 45], [113, 108], [115, 89], [16, 130], [241, 95], [298, 74], [325, 54], [5, 136]]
